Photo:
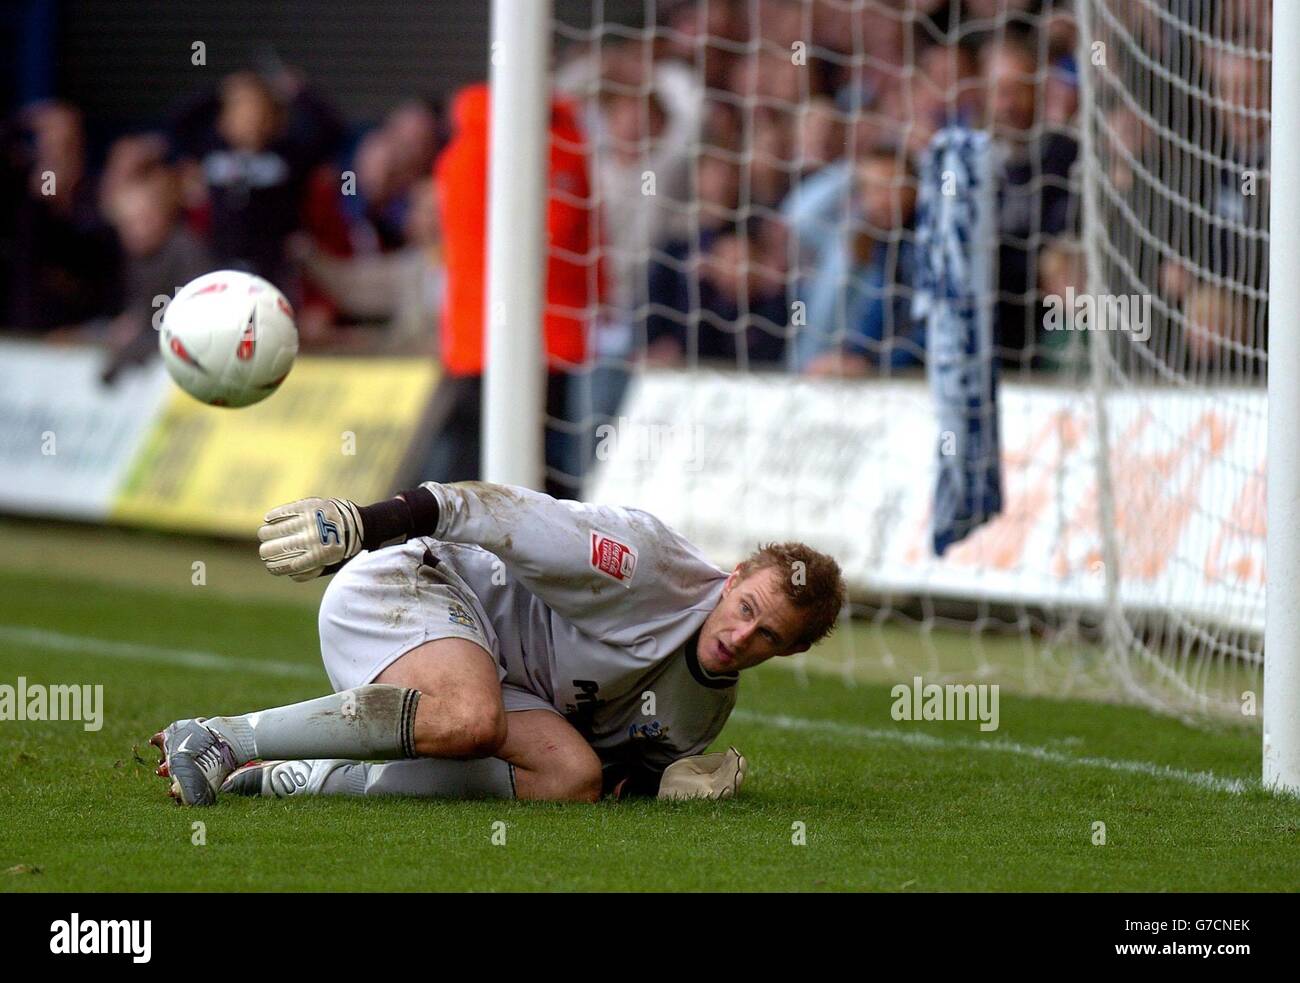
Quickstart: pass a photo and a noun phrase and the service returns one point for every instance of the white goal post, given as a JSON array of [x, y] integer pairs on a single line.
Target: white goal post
[[1282, 628], [516, 242]]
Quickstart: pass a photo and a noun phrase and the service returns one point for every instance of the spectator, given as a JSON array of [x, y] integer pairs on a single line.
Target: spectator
[[63, 259], [1224, 204], [573, 283], [129, 159], [161, 256], [390, 163], [820, 135], [944, 89], [648, 118], [1034, 194], [1235, 183], [645, 120], [257, 147], [400, 289], [717, 181], [1218, 330], [740, 316], [856, 280], [1060, 270], [773, 87], [1061, 93], [706, 34], [416, 128], [771, 160], [1131, 137], [376, 212]]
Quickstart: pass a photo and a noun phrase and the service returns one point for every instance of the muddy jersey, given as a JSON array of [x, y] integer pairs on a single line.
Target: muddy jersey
[[595, 609]]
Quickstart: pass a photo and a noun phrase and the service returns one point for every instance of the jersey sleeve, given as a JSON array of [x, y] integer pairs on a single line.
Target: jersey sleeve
[[615, 573]]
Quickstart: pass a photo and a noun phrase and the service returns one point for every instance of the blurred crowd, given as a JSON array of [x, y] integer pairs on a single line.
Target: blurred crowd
[[784, 140], [256, 175], [737, 186]]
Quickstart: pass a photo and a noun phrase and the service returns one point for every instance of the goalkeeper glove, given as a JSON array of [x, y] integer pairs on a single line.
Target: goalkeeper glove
[[704, 776], [310, 537], [316, 536]]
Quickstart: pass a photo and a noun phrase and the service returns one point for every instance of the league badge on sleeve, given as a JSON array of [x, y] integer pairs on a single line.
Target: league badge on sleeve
[[612, 558]]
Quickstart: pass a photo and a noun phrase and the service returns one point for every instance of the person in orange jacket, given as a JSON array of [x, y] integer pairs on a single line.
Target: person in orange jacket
[[574, 282]]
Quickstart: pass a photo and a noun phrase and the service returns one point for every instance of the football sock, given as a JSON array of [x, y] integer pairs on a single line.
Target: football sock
[[430, 778], [372, 721]]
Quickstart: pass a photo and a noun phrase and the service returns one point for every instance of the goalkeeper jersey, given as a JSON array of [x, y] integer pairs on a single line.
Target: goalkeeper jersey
[[596, 610]]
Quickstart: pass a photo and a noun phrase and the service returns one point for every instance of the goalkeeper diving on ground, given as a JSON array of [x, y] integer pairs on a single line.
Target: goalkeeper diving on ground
[[488, 641]]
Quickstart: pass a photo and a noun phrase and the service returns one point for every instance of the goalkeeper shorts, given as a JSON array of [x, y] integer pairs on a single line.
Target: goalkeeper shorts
[[384, 603]]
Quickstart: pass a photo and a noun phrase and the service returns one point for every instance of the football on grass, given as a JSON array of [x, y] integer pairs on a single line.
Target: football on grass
[[228, 338]]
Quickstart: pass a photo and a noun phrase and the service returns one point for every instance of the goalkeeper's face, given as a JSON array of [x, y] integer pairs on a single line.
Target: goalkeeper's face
[[753, 622]]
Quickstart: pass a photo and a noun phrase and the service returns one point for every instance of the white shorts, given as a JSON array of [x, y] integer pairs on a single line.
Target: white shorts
[[384, 603]]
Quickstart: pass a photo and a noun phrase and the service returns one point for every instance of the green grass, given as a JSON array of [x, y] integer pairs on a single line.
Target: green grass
[[886, 805]]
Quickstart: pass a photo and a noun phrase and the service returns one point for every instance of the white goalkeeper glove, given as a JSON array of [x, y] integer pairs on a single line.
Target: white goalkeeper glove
[[704, 776], [310, 537]]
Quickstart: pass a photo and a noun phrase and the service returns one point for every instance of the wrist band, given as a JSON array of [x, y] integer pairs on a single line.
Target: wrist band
[[424, 511], [412, 513], [383, 522]]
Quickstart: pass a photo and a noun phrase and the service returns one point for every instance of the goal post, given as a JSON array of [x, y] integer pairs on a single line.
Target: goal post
[[516, 243], [1282, 625]]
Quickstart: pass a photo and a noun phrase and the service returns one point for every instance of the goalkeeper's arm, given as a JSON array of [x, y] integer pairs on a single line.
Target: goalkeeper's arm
[[316, 536], [580, 559]]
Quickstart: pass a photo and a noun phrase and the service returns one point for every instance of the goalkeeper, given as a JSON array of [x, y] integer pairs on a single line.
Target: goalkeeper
[[512, 646]]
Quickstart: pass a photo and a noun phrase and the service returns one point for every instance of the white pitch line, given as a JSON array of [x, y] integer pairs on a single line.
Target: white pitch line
[[1201, 779], [42, 638], [192, 659]]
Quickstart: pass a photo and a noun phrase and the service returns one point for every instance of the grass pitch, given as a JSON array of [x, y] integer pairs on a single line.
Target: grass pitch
[[840, 796]]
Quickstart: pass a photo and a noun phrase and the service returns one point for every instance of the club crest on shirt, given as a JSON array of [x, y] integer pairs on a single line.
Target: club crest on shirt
[[614, 559], [457, 613], [653, 731]]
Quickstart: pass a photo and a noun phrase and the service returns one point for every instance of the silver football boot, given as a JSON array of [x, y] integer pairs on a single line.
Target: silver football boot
[[197, 760]]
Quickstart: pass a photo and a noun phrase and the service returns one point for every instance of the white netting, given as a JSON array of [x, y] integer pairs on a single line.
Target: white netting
[[753, 371], [1176, 191]]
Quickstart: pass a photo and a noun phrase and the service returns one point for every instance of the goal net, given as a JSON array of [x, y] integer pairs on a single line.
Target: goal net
[[754, 371], [1175, 187]]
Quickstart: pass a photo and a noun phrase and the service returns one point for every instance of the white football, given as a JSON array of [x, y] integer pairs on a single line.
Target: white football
[[228, 338]]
